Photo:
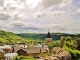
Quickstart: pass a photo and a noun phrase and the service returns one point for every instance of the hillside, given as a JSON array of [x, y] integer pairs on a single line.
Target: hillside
[[55, 36], [8, 36], [12, 37]]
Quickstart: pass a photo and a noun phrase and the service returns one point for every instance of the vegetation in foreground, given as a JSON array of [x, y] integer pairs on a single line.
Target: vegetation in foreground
[[23, 58]]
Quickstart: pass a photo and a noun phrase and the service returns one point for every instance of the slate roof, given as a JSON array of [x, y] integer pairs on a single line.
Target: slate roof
[[48, 35]]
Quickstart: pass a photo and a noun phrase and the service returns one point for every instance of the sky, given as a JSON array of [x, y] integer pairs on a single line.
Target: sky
[[37, 16]]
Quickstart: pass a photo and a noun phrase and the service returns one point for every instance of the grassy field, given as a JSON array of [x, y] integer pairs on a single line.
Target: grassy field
[[12, 37]]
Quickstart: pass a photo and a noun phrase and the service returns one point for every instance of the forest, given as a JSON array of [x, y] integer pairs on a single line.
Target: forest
[[55, 36]]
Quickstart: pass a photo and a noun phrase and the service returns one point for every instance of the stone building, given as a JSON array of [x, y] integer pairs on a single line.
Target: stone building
[[62, 41], [48, 38]]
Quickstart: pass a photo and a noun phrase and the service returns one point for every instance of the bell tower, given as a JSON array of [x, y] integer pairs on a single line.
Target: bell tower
[[48, 38]]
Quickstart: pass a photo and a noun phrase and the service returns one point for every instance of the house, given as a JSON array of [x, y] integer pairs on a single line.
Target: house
[[10, 56], [6, 48], [1, 54], [15, 48], [33, 52], [23, 46], [48, 38], [35, 46]]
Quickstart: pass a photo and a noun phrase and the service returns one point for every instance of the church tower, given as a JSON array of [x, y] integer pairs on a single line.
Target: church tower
[[48, 38]]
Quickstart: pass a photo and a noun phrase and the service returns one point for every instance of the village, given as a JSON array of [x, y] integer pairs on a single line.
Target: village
[[9, 51]]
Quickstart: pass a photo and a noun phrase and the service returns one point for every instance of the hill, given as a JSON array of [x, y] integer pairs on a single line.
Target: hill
[[55, 36], [12, 37], [8, 36]]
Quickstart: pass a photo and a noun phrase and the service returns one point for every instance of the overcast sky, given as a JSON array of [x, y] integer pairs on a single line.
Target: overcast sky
[[37, 16]]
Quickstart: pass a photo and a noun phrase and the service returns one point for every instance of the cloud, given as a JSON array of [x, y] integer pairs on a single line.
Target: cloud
[[70, 13], [14, 4], [22, 27], [19, 27], [10, 9], [57, 13], [38, 14], [60, 14], [32, 3], [2, 26], [4, 16], [77, 11], [1, 2], [57, 27], [65, 3], [49, 3]]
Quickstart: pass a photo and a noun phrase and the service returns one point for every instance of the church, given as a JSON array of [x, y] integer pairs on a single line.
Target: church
[[48, 38]]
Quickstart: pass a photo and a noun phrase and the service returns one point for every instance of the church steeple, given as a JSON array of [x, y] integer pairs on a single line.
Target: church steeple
[[48, 35], [48, 38]]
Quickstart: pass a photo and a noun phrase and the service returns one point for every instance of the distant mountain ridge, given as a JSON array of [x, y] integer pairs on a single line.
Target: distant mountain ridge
[[10, 36], [55, 36]]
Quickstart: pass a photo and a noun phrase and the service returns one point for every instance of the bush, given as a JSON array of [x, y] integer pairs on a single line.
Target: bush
[[42, 54], [23, 58], [74, 53], [54, 44], [17, 58], [48, 54]]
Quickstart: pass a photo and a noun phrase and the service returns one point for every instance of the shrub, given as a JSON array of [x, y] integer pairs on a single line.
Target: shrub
[[74, 53], [23, 58]]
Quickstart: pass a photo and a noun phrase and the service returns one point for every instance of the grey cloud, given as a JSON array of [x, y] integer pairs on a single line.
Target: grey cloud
[[2, 26], [4, 16], [49, 3], [1, 2], [22, 26], [11, 15], [25, 26], [17, 25], [58, 27], [8, 9]]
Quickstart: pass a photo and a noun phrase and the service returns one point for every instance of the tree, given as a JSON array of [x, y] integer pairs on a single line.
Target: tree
[[62, 41], [77, 43]]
